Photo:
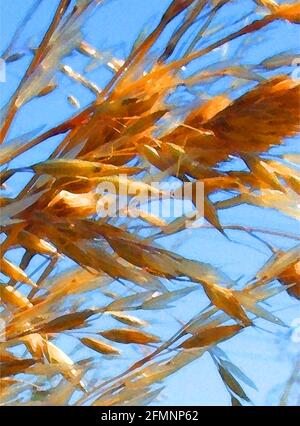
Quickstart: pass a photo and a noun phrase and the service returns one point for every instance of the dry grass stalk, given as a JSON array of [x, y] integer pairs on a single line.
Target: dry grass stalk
[[126, 131]]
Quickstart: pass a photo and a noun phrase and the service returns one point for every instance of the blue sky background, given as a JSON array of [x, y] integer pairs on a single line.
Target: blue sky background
[[113, 28]]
